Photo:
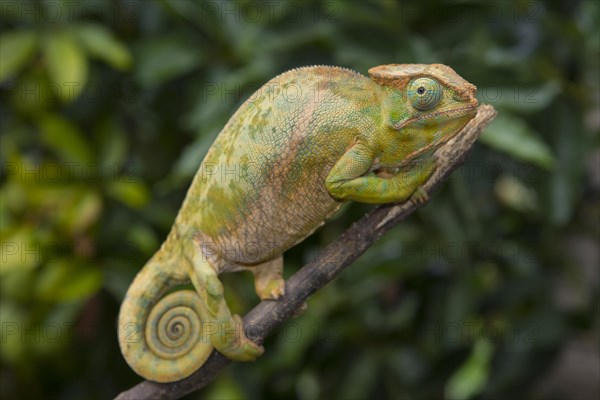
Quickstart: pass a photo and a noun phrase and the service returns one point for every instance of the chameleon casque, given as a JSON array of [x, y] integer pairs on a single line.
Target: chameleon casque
[[304, 143]]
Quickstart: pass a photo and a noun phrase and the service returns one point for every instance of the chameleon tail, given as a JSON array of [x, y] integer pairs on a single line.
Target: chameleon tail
[[161, 337]]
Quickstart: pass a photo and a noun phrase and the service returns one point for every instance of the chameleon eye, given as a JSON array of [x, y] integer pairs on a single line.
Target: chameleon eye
[[424, 93]]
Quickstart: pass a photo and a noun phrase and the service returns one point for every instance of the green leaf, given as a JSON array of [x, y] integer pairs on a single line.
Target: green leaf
[[19, 250], [16, 48], [83, 211], [143, 237], [99, 42], [189, 161], [74, 207], [110, 139], [12, 284], [67, 64], [135, 194], [471, 377], [510, 134], [56, 329], [511, 192], [225, 388], [525, 98], [13, 320], [165, 59], [65, 139], [65, 280], [34, 92], [14, 194]]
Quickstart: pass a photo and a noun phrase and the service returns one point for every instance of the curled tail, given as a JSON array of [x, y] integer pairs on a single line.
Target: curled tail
[[161, 337]]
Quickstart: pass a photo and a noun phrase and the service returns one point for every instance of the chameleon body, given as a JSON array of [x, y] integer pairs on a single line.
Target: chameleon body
[[304, 143]]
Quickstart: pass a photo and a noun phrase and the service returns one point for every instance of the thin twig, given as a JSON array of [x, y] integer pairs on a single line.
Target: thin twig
[[267, 315]]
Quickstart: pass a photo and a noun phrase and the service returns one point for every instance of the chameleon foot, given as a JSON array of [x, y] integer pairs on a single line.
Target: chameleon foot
[[273, 289], [224, 330], [241, 348], [420, 196], [268, 280]]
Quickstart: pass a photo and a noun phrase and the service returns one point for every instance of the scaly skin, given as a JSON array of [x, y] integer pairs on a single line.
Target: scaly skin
[[304, 143]]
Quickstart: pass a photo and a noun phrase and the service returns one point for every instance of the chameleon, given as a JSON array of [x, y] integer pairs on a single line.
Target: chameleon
[[303, 144]]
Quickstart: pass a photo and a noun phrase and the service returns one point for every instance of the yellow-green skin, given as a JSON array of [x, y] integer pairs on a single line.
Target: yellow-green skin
[[304, 143]]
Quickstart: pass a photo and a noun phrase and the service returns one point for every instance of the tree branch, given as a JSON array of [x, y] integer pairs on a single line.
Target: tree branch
[[267, 315]]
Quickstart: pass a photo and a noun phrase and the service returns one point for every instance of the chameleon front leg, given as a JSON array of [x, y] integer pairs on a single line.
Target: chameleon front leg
[[225, 331], [348, 179]]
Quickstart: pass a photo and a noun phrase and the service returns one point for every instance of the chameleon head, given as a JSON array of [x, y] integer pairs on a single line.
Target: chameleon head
[[424, 106]]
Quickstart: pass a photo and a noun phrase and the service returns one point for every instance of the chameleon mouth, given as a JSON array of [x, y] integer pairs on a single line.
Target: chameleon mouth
[[448, 114]]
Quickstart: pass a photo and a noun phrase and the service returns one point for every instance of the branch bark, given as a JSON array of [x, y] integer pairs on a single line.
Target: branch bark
[[267, 315]]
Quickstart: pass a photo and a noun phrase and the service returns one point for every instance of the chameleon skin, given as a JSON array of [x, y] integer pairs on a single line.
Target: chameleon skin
[[304, 143]]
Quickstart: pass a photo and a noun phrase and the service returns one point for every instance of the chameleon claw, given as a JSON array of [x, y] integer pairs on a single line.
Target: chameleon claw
[[274, 290], [419, 196]]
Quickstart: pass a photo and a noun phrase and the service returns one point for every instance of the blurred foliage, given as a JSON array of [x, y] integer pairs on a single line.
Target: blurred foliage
[[109, 106]]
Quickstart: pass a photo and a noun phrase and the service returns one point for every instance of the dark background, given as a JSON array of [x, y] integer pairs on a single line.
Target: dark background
[[489, 291]]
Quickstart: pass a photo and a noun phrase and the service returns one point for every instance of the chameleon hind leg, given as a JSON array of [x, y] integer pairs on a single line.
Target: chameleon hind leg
[[268, 279], [225, 331], [269, 282]]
